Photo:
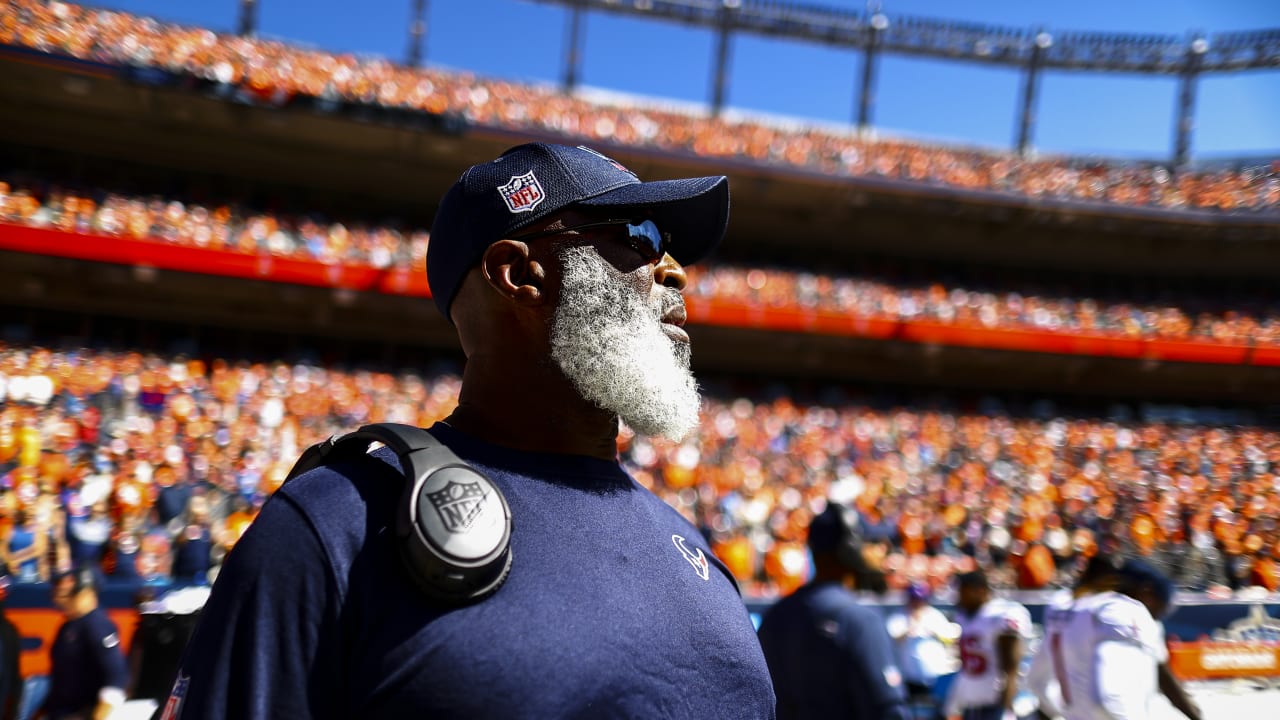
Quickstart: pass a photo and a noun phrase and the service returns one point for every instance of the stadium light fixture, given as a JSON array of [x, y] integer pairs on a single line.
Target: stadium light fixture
[[1044, 40]]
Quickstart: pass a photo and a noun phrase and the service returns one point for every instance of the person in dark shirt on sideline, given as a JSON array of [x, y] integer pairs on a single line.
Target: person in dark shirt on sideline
[[10, 658], [829, 654], [562, 273], [88, 674]]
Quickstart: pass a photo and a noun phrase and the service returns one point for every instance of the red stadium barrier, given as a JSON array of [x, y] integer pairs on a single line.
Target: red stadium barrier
[[718, 312], [401, 281], [187, 258]]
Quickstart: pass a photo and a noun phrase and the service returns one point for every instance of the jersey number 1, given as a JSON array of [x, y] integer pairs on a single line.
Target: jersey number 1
[[1059, 667]]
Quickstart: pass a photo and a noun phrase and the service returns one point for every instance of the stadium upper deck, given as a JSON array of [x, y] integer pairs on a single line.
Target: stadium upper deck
[[132, 90], [278, 75]]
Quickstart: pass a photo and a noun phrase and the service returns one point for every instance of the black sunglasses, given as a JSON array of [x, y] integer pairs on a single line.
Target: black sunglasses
[[643, 237]]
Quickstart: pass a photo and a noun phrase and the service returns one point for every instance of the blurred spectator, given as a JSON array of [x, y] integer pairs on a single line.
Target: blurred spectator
[[922, 634], [126, 544], [237, 521], [25, 547], [89, 533], [193, 545]]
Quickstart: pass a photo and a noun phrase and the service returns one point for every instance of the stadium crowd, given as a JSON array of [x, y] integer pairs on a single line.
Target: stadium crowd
[[153, 465], [1249, 319], [273, 73]]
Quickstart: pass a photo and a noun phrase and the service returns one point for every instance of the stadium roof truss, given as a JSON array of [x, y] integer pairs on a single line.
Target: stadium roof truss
[[1032, 50]]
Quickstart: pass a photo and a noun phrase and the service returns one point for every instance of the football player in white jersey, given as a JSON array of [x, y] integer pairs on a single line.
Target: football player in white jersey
[[1106, 650], [1154, 590], [992, 633], [1100, 574]]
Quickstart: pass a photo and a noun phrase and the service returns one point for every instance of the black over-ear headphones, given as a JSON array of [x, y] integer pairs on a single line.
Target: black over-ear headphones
[[453, 525]]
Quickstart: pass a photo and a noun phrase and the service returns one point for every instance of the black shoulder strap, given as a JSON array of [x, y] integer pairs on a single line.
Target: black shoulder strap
[[416, 448]]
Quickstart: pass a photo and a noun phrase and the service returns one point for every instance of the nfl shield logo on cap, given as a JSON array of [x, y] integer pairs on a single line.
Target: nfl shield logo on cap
[[522, 193]]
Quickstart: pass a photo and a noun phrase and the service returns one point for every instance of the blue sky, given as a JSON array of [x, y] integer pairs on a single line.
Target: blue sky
[[1123, 115]]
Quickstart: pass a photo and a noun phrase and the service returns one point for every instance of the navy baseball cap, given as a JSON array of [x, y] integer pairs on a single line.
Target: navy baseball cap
[[527, 183]]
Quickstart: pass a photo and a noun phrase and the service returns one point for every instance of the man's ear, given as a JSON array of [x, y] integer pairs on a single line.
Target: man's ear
[[509, 268]]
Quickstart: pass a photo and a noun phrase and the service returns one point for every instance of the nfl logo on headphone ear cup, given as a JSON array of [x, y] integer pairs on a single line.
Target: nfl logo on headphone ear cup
[[452, 524], [461, 514], [458, 546]]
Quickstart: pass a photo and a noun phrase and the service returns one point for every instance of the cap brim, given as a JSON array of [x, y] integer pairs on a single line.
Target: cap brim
[[694, 211]]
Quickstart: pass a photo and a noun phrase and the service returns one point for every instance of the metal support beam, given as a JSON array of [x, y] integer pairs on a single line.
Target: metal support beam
[[1030, 86], [1187, 101], [720, 72], [417, 33], [248, 18], [573, 47], [866, 95], [1007, 46]]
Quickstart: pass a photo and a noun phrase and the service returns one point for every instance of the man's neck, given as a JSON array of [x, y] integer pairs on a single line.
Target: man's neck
[[531, 407]]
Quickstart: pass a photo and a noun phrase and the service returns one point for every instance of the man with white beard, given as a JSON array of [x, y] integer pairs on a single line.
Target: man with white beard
[[589, 597]]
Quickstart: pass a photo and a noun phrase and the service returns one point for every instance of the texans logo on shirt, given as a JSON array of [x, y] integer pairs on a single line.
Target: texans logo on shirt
[[696, 559]]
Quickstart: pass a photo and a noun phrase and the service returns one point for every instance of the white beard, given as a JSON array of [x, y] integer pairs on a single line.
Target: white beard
[[609, 343]]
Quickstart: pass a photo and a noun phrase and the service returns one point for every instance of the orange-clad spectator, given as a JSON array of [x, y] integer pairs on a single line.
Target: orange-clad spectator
[[1038, 568], [1265, 573], [737, 555], [787, 566], [237, 521]]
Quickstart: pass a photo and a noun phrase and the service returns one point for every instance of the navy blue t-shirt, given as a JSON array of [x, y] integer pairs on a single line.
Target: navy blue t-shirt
[[831, 657], [84, 659], [603, 615]]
